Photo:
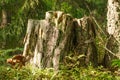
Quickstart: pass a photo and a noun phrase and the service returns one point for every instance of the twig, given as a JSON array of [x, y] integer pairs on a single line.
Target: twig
[[110, 51]]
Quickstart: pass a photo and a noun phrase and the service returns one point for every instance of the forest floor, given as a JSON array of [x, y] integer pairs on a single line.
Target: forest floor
[[30, 73]]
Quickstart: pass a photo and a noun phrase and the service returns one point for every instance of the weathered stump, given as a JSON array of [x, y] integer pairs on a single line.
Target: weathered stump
[[49, 39], [85, 39]]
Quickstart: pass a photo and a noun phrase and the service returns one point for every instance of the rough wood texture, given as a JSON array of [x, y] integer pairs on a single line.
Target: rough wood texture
[[50, 39], [85, 39]]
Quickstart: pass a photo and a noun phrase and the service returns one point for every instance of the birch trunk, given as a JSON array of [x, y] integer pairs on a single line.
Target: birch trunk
[[113, 28]]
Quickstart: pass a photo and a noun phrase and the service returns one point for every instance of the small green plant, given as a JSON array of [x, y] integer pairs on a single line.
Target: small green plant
[[116, 62]]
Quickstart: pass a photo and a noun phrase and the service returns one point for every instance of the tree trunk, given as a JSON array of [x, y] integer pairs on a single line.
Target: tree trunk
[[4, 18], [48, 40], [113, 28], [5, 15]]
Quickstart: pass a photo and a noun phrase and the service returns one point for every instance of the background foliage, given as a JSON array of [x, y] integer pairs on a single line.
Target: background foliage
[[21, 10]]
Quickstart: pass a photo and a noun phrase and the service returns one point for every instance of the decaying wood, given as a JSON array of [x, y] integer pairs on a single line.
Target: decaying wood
[[85, 39], [49, 39]]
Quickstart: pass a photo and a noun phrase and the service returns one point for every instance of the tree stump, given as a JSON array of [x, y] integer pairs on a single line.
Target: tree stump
[[49, 39], [85, 34]]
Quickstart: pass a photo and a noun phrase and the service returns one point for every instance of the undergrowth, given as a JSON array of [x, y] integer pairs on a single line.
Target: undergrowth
[[65, 73], [31, 73]]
